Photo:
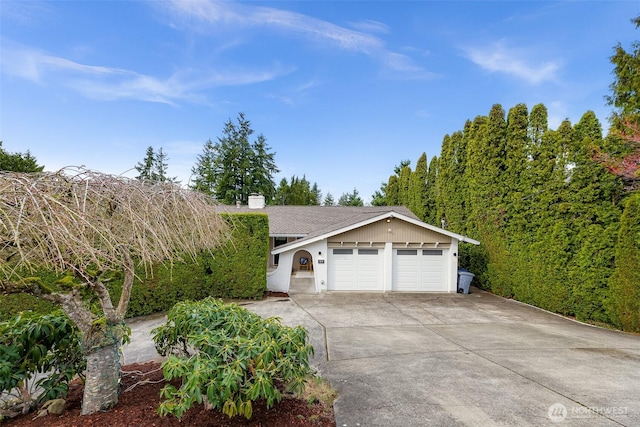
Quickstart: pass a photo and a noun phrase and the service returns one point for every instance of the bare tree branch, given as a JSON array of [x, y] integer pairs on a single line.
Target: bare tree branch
[[81, 221]]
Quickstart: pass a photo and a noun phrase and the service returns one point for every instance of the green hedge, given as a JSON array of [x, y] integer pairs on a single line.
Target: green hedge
[[237, 269]]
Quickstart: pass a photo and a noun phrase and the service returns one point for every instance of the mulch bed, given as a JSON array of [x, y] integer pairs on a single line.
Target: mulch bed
[[138, 407]]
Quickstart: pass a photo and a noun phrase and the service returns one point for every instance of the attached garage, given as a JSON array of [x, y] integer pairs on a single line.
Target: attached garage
[[355, 269], [419, 270], [378, 249]]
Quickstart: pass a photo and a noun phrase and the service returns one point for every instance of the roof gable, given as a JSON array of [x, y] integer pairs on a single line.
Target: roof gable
[[348, 226], [313, 223]]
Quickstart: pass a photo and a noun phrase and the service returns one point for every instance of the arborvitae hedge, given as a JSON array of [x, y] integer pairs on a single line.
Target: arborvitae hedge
[[549, 216], [238, 269], [624, 296]]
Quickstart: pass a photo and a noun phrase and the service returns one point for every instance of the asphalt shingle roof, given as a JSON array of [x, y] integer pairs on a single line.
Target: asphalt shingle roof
[[310, 221]]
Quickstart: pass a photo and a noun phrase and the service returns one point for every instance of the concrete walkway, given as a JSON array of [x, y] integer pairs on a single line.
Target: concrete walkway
[[451, 359]]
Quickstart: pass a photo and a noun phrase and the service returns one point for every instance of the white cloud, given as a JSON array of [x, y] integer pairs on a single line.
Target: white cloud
[[516, 62], [106, 83], [235, 15], [370, 26]]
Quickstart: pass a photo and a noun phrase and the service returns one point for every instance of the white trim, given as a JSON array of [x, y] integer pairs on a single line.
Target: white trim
[[304, 242]]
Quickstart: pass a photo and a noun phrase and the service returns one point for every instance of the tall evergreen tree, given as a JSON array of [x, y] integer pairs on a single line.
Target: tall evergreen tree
[[328, 200], [625, 89], [622, 154], [154, 166], [298, 192], [316, 198], [18, 162], [624, 295], [263, 168], [233, 168], [392, 190], [161, 166], [205, 172], [350, 199], [431, 192], [592, 215], [146, 167], [404, 183], [282, 192], [418, 188], [516, 163], [379, 196]]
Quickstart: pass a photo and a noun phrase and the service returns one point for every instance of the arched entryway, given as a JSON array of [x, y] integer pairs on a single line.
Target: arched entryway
[[302, 278], [302, 261]]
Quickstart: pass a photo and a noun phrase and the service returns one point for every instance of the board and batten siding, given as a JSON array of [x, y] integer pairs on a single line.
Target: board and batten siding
[[401, 232]]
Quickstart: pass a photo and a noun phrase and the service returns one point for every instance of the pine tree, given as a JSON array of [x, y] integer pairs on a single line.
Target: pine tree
[[18, 162], [298, 192], [350, 199], [205, 173], [282, 192], [379, 196], [316, 194], [263, 167], [328, 200], [146, 167], [161, 166], [622, 154], [233, 168], [154, 166]]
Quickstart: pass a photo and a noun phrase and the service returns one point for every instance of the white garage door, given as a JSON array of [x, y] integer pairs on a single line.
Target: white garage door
[[353, 269], [418, 270]]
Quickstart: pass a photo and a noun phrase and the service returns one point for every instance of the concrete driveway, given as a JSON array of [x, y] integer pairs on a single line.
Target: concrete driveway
[[468, 360]]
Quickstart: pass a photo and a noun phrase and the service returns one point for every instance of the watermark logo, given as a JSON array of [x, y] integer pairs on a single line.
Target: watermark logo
[[557, 412]]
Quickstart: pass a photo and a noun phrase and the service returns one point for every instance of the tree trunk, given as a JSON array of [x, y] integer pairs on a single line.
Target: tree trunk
[[102, 381]]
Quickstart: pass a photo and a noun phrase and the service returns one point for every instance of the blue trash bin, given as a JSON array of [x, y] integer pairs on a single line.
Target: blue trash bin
[[464, 280]]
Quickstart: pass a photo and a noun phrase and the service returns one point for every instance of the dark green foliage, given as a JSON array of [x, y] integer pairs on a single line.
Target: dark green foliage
[[419, 188], [298, 192], [624, 293], [31, 344], [625, 89], [351, 199], [12, 304], [547, 214], [18, 162], [328, 200], [235, 270], [233, 168], [229, 357], [239, 268], [154, 166]]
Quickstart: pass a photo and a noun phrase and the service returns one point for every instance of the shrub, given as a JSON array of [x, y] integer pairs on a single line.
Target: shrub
[[237, 269], [228, 357], [32, 344], [624, 292]]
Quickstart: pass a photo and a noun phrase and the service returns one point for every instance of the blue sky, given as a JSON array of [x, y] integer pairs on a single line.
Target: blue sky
[[342, 90]]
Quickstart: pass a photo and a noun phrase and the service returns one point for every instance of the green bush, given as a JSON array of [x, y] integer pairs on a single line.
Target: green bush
[[237, 269], [624, 292], [32, 344], [228, 357]]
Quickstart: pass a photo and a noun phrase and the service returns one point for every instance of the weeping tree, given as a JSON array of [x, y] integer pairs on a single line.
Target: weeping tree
[[91, 224]]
